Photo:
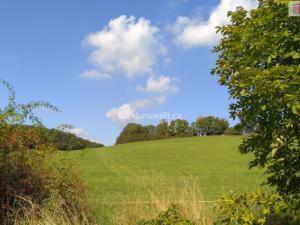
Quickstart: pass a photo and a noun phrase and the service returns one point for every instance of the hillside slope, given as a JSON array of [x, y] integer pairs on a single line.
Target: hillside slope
[[123, 171]]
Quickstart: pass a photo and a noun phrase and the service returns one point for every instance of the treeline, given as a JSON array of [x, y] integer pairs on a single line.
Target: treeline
[[67, 141], [203, 126], [58, 139]]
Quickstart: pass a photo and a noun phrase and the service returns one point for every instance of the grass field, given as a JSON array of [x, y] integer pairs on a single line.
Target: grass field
[[137, 171]]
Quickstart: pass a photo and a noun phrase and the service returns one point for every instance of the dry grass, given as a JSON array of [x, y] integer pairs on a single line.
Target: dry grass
[[188, 198], [53, 213], [129, 212]]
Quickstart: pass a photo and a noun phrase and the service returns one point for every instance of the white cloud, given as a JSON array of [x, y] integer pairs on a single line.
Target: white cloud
[[126, 45], [127, 111], [123, 113], [163, 84], [193, 32], [79, 132], [95, 74]]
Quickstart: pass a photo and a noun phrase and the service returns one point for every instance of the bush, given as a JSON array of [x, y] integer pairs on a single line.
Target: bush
[[171, 216], [29, 179], [256, 208]]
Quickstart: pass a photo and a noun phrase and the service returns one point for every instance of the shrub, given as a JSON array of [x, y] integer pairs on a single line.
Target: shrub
[[256, 208], [171, 216], [29, 179]]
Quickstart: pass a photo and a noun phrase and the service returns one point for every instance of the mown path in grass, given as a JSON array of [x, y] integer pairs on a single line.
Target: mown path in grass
[[121, 172]]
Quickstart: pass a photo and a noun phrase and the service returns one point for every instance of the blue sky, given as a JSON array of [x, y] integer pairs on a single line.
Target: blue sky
[[104, 62]]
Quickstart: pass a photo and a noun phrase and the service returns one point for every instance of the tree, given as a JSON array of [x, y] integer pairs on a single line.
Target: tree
[[162, 130], [237, 129], [258, 61], [209, 126], [150, 131], [180, 128], [132, 132]]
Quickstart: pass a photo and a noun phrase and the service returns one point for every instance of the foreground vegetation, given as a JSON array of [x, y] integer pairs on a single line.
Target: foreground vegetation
[[34, 189]]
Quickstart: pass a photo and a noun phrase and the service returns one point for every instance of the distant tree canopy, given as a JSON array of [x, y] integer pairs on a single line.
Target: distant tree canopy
[[258, 61], [209, 126], [203, 126], [67, 141], [55, 138], [133, 132], [180, 128], [235, 130], [162, 130]]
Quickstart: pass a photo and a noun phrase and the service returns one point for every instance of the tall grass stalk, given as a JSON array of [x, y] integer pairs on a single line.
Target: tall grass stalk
[[188, 198]]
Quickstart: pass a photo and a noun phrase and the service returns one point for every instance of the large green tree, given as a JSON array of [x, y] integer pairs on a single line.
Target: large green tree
[[162, 130], [209, 125], [180, 128], [132, 132], [258, 61]]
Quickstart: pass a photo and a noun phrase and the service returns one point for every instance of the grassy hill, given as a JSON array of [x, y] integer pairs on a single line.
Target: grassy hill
[[138, 171]]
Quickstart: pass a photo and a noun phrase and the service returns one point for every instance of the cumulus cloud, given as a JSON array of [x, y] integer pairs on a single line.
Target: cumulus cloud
[[95, 74], [163, 84], [127, 111], [123, 113], [194, 32], [126, 45], [79, 132]]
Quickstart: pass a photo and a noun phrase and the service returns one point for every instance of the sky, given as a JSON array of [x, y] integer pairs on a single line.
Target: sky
[[106, 63]]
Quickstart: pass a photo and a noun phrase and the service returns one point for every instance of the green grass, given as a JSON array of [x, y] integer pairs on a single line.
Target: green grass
[[122, 172], [213, 162]]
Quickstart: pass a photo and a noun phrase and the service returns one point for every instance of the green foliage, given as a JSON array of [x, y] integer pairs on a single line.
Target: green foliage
[[55, 138], [209, 126], [27, 179], [232, 131], [180, 128], [175, 128], [14, 113], [256, 208], [67, 141], [132, 132], [135, 132], [162, 130], [258, 61], [171, 216], [235, 130]]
